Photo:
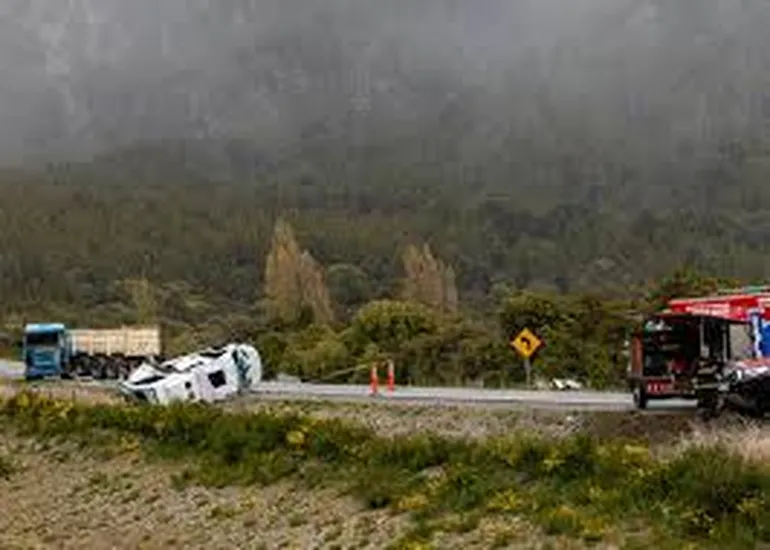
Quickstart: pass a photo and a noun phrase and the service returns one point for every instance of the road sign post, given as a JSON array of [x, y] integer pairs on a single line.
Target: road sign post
[[528, 371], [526, 344]]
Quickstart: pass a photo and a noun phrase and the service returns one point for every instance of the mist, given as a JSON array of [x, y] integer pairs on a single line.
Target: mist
[[633, 79]]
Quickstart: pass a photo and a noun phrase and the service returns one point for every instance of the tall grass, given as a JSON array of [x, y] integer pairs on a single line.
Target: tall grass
[[576, 485], [747, 439]]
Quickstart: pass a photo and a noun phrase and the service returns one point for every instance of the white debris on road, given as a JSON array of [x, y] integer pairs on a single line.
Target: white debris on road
[[566, 384], [560, 384]]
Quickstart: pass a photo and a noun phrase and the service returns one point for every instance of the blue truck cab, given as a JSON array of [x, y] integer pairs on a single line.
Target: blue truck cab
[[46, 350]]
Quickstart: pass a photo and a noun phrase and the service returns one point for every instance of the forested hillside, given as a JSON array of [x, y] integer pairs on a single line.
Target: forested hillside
[[143, 211], [568, 150]]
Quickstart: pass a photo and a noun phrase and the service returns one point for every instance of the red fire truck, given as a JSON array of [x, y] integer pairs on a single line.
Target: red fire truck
[[676, 345]]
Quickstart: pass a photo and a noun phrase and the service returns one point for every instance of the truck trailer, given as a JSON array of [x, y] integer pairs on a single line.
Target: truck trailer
[[55, 350]]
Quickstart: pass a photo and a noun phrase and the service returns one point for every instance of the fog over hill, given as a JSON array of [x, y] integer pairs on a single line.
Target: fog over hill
[[534, 93]]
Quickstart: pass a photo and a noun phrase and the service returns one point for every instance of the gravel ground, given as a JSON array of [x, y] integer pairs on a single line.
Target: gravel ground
[[62, 497], [66, 498], [477, 422]]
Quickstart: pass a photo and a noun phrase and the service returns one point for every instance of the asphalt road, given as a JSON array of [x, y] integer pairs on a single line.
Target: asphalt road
[[533, 399], [576, 400], [11, 369]]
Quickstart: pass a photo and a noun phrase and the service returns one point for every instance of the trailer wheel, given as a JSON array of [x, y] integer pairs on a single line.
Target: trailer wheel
[[99, 368], [81, 366], [111, 369], [640, 396]]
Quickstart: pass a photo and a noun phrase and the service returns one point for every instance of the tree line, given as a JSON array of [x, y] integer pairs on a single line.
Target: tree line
[[324, 276], [322, 323]]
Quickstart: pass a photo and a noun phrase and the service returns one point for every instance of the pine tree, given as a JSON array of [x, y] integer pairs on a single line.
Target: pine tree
[[451, 298], [294, 280], [428, 280], [433, 280], [282, 284], [412, 259], [315, 293]]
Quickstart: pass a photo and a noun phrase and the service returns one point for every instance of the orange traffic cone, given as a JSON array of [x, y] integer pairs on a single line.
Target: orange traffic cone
[[373, 381], [391, 376]]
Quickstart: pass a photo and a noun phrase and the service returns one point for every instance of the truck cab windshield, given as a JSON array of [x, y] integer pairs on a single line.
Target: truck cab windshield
[[42, 339]]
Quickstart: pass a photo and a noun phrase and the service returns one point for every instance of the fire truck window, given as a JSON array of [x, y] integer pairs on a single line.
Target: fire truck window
[[740, 342], [714, 339]]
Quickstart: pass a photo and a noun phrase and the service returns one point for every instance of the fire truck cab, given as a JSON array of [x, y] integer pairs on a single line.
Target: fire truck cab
[[676, 345]]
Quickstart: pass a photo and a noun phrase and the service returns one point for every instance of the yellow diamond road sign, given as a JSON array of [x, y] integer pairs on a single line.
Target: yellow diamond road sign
[[526, 343]]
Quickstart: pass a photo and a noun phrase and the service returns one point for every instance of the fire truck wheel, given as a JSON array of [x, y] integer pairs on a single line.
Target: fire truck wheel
[[709, 405], [640, 397]]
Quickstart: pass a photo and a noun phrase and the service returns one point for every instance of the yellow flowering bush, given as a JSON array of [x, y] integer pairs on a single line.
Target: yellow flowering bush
[[752, 508], [553, 461], [594, 528], [296, 438], [506, 501], [128, 444], [413, 502], [562, 519]]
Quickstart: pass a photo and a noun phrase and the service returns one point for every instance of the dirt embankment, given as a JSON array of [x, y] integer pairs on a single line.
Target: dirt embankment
[[66, 497]]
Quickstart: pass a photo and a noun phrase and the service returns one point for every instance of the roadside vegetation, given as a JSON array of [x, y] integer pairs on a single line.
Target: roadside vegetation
[[586, 488]]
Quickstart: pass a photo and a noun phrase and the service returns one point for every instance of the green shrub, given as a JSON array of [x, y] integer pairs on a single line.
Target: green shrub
[[456, 353], [584, 336], [391, 323]]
